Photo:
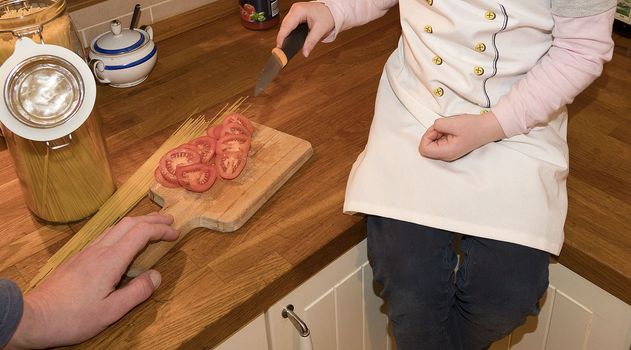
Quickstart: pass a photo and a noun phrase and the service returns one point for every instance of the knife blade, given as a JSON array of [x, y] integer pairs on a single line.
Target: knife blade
[[281, 56]]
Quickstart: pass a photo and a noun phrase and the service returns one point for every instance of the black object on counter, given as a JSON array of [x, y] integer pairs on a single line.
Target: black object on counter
[[622, 28], [135, 17]]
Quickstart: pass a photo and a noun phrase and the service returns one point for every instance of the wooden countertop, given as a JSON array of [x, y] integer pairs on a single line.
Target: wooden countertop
[[214, 283]]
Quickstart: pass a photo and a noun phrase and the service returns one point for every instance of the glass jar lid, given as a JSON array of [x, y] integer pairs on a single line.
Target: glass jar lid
[[44, 91], [49, 91]]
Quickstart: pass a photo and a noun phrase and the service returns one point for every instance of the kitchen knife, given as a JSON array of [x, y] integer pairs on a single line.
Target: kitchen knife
[[281, 56]]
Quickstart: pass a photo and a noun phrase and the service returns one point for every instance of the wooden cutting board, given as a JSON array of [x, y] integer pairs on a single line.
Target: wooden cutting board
[[274, 157]]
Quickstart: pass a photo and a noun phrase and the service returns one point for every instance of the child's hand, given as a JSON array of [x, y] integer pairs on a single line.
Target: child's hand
[[317, 16], [452, 137]]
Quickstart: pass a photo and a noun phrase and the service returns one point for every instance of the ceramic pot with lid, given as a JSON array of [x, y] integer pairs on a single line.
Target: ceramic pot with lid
[[123, 57], [53, 133]]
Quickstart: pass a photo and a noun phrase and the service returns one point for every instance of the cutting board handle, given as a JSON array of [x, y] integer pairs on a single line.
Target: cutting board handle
[[185, 219]]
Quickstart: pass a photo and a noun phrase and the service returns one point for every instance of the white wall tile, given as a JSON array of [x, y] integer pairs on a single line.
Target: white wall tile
[[106, 11], [171, 8], [94, 20]]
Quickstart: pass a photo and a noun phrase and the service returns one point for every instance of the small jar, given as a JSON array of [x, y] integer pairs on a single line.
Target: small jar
[[259, 14]]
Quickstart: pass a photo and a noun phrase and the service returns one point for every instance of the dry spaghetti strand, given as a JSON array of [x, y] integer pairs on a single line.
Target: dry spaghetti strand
[[130, 193]]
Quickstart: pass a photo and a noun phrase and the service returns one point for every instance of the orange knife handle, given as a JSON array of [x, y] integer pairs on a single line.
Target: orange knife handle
[[184, 222], [282, 58]]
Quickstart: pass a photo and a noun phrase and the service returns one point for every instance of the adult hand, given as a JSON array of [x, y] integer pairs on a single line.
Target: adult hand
[[318, 18], [453, 137], [80, 298]]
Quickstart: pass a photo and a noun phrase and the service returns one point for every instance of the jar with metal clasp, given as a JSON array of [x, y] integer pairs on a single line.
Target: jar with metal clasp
[[52, 130]]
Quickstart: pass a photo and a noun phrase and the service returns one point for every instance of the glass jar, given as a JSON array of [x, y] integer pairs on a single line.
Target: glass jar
[[51, 129], [67, 179], [42, 20]]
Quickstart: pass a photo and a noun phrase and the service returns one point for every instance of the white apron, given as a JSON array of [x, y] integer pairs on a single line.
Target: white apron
[[457, 57]]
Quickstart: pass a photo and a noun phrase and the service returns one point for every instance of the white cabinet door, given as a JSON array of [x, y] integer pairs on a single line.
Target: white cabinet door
[[575, 314], [339, 307], [253, 336], [342, 312]]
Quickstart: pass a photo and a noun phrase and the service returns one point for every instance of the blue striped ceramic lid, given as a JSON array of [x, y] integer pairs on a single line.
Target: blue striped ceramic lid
[[113, 43]]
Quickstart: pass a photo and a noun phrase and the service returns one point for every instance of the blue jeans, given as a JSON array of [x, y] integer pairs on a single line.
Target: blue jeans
[[430, 306]]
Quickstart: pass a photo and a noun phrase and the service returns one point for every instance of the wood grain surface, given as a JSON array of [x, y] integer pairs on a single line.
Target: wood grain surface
[[598, 228], [214, 283]]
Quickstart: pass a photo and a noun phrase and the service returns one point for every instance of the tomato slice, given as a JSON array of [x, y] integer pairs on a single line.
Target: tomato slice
[[162, 181], [205, 146], [177, 157], [196, 177], [235, 129], [188, 146], [215, 131], [239, 119], [234, 143], [230, 164]]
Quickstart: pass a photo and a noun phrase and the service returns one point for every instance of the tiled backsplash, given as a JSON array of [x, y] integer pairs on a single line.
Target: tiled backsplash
[[94, 20]]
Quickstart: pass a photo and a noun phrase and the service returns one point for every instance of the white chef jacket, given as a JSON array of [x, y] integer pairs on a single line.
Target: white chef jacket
[[457, 57]]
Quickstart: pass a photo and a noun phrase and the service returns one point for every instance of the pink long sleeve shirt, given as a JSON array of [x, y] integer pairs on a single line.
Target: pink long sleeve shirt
[[580, 47]]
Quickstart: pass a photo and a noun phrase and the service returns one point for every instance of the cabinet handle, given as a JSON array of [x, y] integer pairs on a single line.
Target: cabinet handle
[[301, 326]]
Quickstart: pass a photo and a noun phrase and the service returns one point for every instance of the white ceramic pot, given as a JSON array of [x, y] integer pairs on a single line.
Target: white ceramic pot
[[123, 57]]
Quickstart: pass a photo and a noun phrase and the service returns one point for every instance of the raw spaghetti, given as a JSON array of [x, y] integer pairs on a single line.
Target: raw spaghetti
[[130, 193], [64, 180]]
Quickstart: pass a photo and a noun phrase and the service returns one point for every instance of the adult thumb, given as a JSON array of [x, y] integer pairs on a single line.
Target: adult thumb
[[134, 293]]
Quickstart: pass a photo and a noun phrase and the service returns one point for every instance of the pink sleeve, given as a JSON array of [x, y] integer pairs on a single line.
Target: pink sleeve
[[579, 49], [352, 13]]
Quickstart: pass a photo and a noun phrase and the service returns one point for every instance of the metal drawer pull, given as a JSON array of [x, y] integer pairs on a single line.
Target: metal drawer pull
[[301, 326]]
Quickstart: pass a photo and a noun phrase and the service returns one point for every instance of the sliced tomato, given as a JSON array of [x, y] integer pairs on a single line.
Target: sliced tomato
[[189, 146], [177, 157], [235, 129], [214, 131], [230, 164], [239, 119], [162, 181], [196, 177], [205, 146], [233, 143]]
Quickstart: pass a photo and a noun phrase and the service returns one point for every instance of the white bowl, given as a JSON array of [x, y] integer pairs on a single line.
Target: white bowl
[[123, 57]]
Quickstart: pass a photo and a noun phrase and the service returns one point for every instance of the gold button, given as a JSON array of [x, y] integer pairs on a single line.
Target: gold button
[[478, 70], [437, 60], [482, 111], [428, 29], [439, 91], [490, 15], [430, 2], [480, 47]]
